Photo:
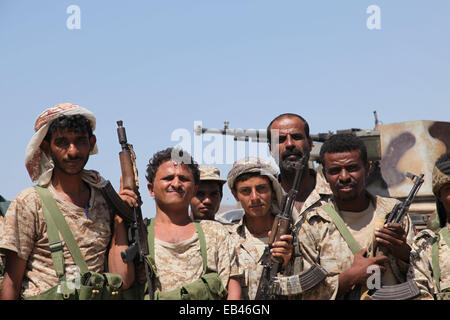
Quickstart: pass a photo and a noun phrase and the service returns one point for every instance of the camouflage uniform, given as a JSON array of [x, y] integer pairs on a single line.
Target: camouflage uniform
[[25, 232], [247, 257], [181, 263], [422, 271], [321, 243], [320, 192]]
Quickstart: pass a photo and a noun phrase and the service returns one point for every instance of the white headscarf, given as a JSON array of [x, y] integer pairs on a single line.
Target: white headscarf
[[39, 165]]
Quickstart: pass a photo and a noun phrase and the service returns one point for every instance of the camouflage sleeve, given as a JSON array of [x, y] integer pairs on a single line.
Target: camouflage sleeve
[[420, 270], [309, 237], [225, 257], [234, 263], [20, 224]]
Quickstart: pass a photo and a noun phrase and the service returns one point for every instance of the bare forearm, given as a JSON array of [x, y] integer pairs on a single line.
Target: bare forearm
[[9, 291], [234, 289], [12, 281], [346, 282], [116, 265]]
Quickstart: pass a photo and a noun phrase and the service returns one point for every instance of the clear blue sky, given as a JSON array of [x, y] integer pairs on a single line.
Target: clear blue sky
[[161, 65]]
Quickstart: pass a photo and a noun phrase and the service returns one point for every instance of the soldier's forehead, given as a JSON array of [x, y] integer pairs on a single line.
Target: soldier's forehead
[[289, 124]]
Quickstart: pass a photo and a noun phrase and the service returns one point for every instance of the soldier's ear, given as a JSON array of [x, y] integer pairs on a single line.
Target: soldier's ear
[[45, 147], [367, 168], [195, 190], [324, 173], [310, 140], [150, 189], [235, 195], [92, 142]]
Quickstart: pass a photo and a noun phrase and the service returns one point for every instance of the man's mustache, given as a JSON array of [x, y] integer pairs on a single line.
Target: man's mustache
[[179, 190], [292, 152], [70, 158], [346, 185]]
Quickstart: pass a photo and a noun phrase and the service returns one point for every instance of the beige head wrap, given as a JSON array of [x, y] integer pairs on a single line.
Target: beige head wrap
[[260, 166], [39, 165]]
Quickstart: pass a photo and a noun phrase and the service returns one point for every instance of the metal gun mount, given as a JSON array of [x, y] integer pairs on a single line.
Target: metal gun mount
[[370, 137]]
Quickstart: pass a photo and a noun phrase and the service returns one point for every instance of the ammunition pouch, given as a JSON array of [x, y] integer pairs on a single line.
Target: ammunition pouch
[[92, 286], [208, 287]]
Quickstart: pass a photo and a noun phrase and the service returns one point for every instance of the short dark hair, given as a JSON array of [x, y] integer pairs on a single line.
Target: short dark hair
[[166, 155], [343, 142], [73, 123], [283, 115]]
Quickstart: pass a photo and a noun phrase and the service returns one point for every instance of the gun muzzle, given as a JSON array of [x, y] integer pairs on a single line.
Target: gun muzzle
[[121, 133]]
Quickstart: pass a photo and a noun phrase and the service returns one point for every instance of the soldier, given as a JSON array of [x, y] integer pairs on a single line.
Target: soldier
[[292, 144], [206, 202], [55, 159], [254, 185], [430, 254], [178, 242], [333, 234]]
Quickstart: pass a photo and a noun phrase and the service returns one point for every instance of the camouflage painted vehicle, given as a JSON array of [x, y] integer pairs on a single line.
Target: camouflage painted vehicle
[[393, 149], [397, 148]]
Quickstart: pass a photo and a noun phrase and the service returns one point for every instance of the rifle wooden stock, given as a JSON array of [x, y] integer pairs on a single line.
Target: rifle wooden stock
[[281, 226], [128, 179], [137, 233]]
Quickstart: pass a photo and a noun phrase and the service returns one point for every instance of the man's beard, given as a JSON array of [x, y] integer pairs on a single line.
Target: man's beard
[[60, 165], [289, 167]]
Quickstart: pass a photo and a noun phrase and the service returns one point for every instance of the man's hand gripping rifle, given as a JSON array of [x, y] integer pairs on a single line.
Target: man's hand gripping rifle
[[281, 226], [408, 289], [137, 231]]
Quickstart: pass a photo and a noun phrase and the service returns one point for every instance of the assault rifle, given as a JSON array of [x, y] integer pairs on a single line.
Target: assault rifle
[[281, 226], [408, 289], [137, 230]]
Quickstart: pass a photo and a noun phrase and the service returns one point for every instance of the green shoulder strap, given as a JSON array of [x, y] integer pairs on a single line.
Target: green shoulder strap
[[340, 224], [435, 261], [446, 235], [56, 222], [435, 255], [201, 237]]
